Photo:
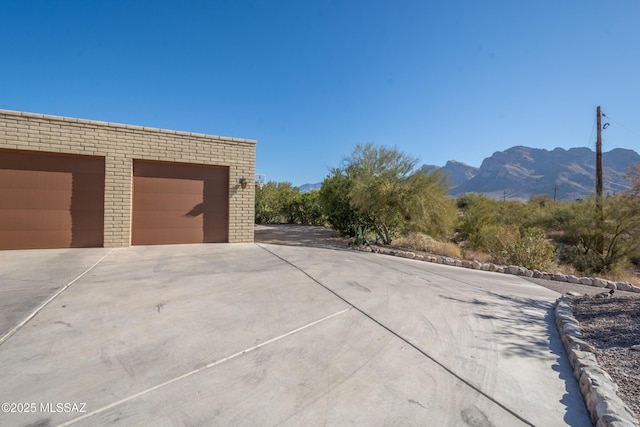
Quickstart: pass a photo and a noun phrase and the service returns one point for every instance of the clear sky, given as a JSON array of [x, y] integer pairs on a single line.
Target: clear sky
[[309, 79]]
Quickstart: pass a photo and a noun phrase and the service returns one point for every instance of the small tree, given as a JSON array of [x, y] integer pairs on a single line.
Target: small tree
[[580, 226], [387, 196], [275, 202], [336, 204], [478, 213]]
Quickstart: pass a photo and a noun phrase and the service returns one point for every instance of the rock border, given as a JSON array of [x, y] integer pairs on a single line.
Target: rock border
[[506, 269], [598, 390], [597, 387]]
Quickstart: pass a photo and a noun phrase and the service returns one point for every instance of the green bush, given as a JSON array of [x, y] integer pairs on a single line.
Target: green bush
[[530, 250]]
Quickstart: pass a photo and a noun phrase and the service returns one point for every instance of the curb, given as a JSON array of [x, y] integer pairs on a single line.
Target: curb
[[597, 387]]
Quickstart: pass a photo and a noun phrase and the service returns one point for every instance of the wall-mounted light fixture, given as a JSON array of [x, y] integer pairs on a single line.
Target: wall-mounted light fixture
[[243, 183]]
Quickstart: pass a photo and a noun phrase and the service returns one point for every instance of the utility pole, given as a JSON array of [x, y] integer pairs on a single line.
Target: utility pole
[[555, 190], [599, 207], [599, 155]]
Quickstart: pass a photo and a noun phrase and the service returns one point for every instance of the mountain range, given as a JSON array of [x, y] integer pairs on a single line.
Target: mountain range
[[521, 172]]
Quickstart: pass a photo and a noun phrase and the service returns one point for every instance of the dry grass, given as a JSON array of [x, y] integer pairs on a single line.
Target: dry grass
[[424, 243]]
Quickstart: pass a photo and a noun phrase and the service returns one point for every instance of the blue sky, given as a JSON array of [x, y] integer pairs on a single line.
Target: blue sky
[[441, 80]]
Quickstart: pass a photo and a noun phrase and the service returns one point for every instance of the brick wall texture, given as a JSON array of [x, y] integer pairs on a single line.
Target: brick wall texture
[[120, 144]]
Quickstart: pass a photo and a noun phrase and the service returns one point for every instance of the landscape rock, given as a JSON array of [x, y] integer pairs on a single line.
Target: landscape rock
[[476, 265], [597, 387], [586, 281], [600, 283], [403, 254], [560, 277], [611, 285], [547, 276], [635, 347], [572, 279], [517, 270], [624, 286], [574, 294], [537, 274]]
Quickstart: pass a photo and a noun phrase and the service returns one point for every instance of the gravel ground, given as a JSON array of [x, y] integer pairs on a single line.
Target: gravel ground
[[610, 325]]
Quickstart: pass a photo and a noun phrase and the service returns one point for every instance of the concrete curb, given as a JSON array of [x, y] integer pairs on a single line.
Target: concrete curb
[[597, 387]]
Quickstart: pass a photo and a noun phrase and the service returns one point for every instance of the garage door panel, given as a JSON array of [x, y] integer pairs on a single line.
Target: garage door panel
[[31, 180], [160, 220], [41, 239], [49, 162], [179, 203], [50, 200], [170, 237], [168, 186], [87, 182], [184, 203], [35, 199], [37, 220]]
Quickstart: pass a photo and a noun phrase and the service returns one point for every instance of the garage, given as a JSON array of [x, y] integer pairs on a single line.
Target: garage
[[51, 200], [179, 203]]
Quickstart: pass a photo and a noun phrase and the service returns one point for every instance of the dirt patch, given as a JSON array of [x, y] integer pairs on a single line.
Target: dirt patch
[[299, 235]]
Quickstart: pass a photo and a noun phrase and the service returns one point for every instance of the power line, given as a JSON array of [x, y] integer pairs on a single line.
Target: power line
[[621, 125]]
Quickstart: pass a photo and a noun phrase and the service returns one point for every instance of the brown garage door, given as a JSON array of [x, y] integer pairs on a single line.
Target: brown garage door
[[179, 203], [50, 200]]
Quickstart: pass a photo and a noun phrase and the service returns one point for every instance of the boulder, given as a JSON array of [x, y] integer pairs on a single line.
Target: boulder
[[624, 286], [600, 283], [572, 279], [586, 281], [514, 269], [560, 277]]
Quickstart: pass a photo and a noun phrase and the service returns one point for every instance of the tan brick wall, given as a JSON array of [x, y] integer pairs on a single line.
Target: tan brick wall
[[120, 144]]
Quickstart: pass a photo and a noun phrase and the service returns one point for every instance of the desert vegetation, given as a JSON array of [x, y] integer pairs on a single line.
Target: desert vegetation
[[377, 196]]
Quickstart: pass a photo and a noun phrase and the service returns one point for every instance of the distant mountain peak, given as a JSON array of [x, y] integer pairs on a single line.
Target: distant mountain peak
[[521, 172], [305, 188]]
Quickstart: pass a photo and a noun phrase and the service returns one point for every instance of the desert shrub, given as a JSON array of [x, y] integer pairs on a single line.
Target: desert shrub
[[306, 209], [416, 241], [530, 250], [508, 244]]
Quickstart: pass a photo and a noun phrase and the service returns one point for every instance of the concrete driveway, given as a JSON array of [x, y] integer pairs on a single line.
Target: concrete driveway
[[260, 334]]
